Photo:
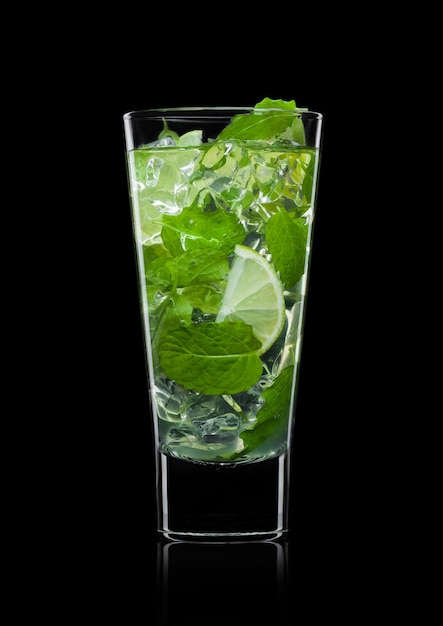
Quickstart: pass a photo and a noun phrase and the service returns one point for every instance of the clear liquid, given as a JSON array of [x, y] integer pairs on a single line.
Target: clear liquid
[[252, 182]]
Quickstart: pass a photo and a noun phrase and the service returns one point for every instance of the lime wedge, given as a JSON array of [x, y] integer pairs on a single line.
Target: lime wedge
[[254, 294]]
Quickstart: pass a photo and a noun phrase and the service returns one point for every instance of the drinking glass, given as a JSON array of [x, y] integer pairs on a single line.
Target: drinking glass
[[223, 205]]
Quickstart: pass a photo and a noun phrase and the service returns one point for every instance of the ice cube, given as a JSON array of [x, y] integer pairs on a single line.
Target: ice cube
[[221, 429]]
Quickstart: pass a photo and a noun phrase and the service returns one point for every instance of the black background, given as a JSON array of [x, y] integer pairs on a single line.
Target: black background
[[99, 472]]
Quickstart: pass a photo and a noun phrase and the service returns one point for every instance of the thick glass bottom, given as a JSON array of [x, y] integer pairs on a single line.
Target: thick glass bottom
[[223, 502]]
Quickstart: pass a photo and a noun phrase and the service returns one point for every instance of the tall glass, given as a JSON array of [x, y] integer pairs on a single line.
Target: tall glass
[[223, 205]]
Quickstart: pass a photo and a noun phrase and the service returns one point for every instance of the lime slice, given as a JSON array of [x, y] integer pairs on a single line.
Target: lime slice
[[254, 294]]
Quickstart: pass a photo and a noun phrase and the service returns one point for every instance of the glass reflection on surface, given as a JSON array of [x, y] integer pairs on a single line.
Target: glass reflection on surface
[[244, 583]]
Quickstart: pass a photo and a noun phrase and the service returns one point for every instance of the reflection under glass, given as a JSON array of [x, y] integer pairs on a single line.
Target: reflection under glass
[[210, 583]]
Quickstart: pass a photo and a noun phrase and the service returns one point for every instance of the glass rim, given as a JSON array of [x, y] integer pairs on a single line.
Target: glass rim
[[201, 110]]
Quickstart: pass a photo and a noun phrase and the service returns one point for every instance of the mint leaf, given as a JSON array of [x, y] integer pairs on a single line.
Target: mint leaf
[[201, 267], [161, 273], [267, 125], [206, 298], [268, 103], [197, 228], [286, 237], [211, 358], [277, 398], [308, 180], [272, 419]]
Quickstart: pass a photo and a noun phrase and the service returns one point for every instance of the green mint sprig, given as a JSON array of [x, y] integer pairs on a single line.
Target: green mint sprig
[[190, 266], [213, 358], [272, 418], [195, 228], [286, 238], [270, 121]]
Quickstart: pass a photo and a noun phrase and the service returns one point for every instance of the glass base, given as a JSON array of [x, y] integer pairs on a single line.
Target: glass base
[[226, 502]]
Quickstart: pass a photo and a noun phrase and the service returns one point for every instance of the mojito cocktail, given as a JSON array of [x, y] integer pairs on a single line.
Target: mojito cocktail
[[223, 214]]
